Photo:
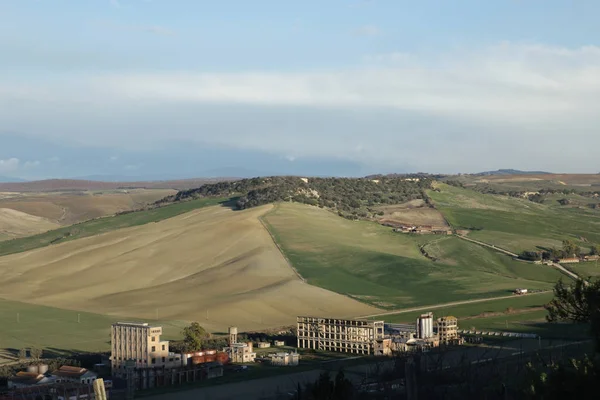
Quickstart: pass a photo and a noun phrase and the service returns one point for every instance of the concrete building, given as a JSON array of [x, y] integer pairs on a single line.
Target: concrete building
[[448, 330], [74, 375], [263, 345], [240, 352], [285, 359], [140, 343], [278, 343], [343, 335], [425, 326]]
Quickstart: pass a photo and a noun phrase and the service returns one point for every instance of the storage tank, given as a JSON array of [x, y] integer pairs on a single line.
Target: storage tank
[[222, 357], [198, 360], [33, 369], [42, 368], [210, 357]]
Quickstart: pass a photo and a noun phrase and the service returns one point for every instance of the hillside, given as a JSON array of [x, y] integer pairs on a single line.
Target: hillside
[[370, 262], [17, 224], [211, 259], [350, 197], [67, 208]]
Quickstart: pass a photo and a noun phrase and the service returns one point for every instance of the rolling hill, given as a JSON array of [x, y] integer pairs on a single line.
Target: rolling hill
[[17, 224], [211, 260]]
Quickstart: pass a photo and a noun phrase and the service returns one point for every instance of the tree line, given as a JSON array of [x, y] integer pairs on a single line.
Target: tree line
[[569, 249], [351, 197]]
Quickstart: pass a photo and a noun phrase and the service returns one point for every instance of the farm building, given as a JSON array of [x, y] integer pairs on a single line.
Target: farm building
[[570, 260], [263, 345], [278, 343], [343, 335], [74, 375], [591, 258], [520, 291], [27, 379]]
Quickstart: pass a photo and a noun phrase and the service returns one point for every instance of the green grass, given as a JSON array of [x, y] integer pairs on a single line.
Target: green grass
[[516, 224], [371, 263], [585, 269], [103, 225], [476, 309], [58, 331]]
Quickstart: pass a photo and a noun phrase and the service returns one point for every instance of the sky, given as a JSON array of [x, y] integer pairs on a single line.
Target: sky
[[162, 89]]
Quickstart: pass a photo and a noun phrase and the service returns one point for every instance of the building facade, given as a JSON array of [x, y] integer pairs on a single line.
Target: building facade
[[285, 359], [447, 329], [343, 335], [240, 352], [140, 344]]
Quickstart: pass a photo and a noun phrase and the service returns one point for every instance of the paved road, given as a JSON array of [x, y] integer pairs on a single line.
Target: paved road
[[443, 305]]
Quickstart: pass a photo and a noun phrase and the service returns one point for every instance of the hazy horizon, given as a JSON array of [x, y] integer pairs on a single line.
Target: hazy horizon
[[150, 88]]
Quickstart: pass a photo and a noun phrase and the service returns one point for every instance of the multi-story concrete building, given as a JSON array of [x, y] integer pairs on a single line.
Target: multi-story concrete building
[[139, 343], [447, 329], [343, 335]]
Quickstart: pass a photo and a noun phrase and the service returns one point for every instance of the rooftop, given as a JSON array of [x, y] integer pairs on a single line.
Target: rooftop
[[70, 372]]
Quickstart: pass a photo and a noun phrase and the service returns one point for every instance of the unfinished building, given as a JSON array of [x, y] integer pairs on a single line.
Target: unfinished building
[[343, 335], [448, 330]]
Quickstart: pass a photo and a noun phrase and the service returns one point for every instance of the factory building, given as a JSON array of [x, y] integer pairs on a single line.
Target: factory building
[[140, 344], [239, 352], [343, 335], [425, 326]]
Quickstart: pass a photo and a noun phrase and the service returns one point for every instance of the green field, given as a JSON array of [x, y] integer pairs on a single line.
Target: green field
[[58, 331], [522, 303], [513, 223], [371, 263], [103, 225], [585, 269]]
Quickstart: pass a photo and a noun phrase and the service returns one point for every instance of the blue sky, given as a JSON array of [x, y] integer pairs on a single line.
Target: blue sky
[[157, 88]]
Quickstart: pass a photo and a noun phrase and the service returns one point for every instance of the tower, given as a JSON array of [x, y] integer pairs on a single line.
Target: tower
[[233, 335]]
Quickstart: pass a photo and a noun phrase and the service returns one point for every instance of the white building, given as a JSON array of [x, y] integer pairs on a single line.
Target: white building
[[285, 359], [141, 344], [425, 326]]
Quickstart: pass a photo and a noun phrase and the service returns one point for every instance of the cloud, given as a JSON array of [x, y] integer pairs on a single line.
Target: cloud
[[9, 165], [506, 105], [368, 30], [113, 158], [54, 159], [31, 164]]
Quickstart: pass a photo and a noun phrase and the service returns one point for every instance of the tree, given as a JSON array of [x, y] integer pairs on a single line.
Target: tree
[[578, 302], [36, 353], [22, 354], [193, 336], [570, 248], [595, 250]]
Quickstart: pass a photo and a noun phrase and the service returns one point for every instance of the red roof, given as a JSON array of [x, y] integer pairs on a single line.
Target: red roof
[[70, 372]]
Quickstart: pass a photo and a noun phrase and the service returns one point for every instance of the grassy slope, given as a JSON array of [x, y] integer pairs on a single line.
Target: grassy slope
[[102, 225], [57, 330], [370, 262], [472, 310], [515, 224]]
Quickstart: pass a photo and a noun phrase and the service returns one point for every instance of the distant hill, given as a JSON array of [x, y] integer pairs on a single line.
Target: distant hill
[[350, 197], [54, 185], [8, 179], [511, 172]]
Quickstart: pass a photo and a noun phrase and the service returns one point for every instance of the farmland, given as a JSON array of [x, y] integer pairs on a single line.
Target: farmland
[[513, 223], [213, 265], [101, 225], [371, 263]]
